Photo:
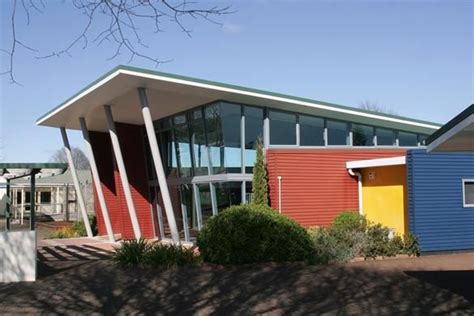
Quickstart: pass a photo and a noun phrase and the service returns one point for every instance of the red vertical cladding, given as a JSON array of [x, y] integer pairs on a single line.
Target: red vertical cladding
[[316, 186], [131, 142], [104, 158]]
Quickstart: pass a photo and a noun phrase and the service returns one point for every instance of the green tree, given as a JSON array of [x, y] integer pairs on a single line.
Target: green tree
[[260, 184]]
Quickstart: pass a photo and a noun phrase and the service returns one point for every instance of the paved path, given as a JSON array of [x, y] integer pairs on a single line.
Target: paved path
[[442, 284]]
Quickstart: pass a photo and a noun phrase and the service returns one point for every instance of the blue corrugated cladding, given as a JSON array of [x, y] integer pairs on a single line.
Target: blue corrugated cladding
[[436, 211]]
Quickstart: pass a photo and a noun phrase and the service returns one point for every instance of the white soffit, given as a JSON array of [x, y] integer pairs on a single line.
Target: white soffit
[[380, 162], [170, 94]]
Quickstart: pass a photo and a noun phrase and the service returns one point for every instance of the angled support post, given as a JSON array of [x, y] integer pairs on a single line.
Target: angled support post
[[75, 180], [122, 171], [155, 152], [97, 183]]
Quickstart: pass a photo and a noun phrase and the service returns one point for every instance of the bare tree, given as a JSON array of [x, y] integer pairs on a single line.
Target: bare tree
[[375, 107], [79, 158], [117, 22]]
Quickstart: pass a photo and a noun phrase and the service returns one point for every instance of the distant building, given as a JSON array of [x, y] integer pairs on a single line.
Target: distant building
[[55, 196]]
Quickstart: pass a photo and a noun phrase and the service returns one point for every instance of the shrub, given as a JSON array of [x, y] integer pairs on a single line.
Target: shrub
[[349, 221], [169, 256], [80, 228], [411, 246], [328, 248], [380, 244], [131, 253], [63, 232], [253, 233]]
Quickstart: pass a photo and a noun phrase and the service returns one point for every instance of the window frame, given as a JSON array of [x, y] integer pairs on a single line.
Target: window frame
[[464, 181]]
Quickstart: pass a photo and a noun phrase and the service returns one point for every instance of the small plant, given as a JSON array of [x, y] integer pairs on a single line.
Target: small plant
[[349, 221], [80, 228], [63, 232], [379, 242], [131, 253], [327, 248], [170, 256], [411, 246], [253, 233]]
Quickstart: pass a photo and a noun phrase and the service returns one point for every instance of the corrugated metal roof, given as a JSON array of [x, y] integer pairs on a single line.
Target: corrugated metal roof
[[83, 175]]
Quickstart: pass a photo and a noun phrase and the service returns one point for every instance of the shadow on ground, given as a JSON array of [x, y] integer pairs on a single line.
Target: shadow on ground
[[99, 286]]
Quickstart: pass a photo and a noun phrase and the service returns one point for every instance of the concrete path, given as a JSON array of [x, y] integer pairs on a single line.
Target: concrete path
[[442, 284]]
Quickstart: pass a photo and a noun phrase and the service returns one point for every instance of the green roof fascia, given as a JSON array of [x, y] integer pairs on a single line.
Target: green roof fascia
[[35, 165], [453, 122], [340, 116]]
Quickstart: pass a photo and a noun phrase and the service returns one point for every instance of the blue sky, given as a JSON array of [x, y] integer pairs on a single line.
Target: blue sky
[[415, 58]]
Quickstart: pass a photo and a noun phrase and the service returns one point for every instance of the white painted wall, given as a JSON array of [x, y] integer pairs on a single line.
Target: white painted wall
[[18, 256], [3, 195]]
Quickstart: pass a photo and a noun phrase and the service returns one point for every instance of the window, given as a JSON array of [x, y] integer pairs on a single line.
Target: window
[[198, 144], [337, 133], [181, 135], [407, 139], [468, 192], [253, 131], [228, 194], [230, 123], [282, 128], [311, 131], [385, 137], [45, 197], [422, 140], [362, 135]]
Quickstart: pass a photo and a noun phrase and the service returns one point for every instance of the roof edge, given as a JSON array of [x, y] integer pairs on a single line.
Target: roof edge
[[119, 68]]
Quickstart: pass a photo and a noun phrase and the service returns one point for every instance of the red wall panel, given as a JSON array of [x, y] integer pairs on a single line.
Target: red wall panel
[[131, 143], [316, 186]]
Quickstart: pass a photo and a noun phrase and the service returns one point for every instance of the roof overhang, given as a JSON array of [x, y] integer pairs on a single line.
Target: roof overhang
[[380, 162], [456, 135], [169, 94], [19, 170]]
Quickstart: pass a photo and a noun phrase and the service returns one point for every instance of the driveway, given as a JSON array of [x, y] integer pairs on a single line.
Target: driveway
[[428, 285]]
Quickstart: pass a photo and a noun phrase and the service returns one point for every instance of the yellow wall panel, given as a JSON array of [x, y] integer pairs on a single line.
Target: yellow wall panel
[[384, 196]]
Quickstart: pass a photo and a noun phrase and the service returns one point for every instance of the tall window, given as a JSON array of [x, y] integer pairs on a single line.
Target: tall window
[[253, 131], [214, 138], [183, 150], [282, 128], [337, 133], [230, 119], [407, 139], [198, 143], [311, 131], [385, 137], [362, 135]]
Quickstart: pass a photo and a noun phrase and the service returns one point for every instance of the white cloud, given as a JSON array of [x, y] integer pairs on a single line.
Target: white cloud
[[232, 28]]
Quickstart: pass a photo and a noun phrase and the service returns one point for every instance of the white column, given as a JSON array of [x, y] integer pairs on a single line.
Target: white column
[[72, 169], [155, 152], [97, 183], [22, 205], [122, 171]]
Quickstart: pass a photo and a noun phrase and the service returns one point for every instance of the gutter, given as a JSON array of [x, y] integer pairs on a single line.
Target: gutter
[[359, 188]]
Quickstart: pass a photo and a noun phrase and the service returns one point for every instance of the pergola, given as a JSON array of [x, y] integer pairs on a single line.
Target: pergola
[[11, 171], [456, 135]]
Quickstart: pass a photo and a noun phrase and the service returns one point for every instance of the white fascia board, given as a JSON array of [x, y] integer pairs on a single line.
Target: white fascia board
[[235, 91], [380, 162], [450, 133]]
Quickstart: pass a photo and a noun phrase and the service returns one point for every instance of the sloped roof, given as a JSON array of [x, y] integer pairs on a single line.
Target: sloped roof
[[64, 178]]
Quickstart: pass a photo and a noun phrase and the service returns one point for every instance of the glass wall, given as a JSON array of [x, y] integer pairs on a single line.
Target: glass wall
[[338, 133], [311, 131], [282, 128], [362, 135], [227, 194], [253, 133], [407, 139], [385, 137]]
